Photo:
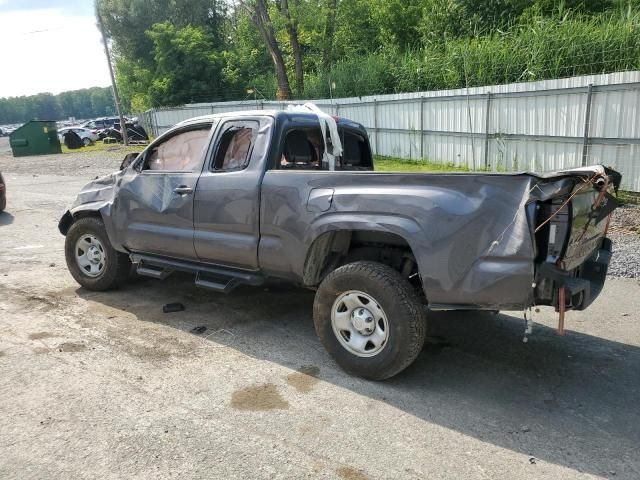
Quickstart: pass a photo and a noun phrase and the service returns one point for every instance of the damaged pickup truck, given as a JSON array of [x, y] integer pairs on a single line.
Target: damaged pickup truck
[[239, 198]]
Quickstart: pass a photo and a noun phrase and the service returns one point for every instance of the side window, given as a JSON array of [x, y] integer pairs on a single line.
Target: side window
[[303, 149], [355, 152], [235, 144], [182, 152]]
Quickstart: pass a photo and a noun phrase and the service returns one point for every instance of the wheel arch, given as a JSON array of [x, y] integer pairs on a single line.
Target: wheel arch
[[95, 209], [395, 240]]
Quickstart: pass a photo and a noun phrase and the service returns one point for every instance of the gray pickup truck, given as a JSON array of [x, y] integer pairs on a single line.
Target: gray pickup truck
[[239, 198]]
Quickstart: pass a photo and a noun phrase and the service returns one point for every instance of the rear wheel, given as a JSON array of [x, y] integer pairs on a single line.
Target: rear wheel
[[86, 141], [369, 319], [91, 259]]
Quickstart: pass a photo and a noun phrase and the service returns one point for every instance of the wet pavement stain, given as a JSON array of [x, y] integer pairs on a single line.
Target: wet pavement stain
[[41, 335], [71, 347], [304, 379], [259, 398], [349, 473], [41, 350]]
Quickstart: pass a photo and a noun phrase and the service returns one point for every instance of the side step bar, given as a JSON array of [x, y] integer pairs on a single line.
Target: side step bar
[[219, 279]]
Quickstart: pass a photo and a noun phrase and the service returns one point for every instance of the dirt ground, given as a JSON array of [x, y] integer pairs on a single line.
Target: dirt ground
[[104, 385]]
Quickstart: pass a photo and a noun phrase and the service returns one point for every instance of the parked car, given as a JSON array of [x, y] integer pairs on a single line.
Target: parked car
[[101, 123], [3, 193], [7, 130], [134, 132], [88, 136], [239, 198]]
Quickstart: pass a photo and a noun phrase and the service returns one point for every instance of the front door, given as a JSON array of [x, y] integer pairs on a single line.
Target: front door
[[153, 210]]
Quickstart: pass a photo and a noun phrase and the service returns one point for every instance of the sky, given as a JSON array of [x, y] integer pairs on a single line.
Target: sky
[[35, 36]]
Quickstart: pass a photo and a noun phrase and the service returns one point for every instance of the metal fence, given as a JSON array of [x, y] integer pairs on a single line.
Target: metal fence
[[534, 126]]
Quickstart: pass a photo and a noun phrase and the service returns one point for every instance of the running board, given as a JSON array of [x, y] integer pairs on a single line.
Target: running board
[[148, 271], [219, 279], [222, 285]]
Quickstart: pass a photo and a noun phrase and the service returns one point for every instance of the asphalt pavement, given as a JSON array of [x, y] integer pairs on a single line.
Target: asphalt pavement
[[106, 385]]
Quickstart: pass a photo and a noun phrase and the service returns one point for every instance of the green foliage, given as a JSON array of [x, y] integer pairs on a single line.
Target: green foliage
[[542, 48], [170, 52], [246, 63], [140, 42], [186, 67], [85, 103]]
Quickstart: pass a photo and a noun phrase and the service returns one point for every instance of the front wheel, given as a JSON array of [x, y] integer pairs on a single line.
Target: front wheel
[[91, 259], [369, 319]]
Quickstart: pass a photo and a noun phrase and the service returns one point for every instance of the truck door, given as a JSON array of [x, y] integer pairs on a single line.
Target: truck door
[[227, 200], [153, 211]]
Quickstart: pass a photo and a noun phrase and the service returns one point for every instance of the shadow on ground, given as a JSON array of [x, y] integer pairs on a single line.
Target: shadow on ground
[[572, 401], [6, 218]]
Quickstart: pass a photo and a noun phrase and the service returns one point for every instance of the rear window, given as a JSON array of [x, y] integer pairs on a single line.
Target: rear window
[[355, 152], [304, 149]]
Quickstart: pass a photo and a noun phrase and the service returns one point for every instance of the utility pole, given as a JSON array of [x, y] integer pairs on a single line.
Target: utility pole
[[114, 87]]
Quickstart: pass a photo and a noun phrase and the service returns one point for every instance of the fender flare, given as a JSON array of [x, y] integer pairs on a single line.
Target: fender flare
[[100, 209]]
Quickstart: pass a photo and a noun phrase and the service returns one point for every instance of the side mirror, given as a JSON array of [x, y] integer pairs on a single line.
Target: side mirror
[[129, 158]]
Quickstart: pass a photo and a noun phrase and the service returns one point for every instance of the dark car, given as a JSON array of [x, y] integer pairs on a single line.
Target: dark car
[[101, 123], [3, 194], [240, 198]]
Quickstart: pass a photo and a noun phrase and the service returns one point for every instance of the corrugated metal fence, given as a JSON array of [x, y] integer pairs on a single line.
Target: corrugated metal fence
[[535, 126]]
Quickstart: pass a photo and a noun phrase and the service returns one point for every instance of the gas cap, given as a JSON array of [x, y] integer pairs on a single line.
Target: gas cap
[[320, 199]]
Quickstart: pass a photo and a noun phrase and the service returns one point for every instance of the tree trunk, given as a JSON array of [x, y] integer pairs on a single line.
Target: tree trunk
[[260, 17], [292, 30], [329, 30]]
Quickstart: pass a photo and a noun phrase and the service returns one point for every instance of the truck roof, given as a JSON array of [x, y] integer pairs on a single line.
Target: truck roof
[[289, 114]]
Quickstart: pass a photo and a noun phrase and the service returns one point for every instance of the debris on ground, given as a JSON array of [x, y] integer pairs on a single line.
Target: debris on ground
[[172, 307], [199, 329]]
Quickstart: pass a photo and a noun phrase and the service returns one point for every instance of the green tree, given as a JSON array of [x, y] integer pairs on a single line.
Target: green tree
[[85, 103], [187, 69]]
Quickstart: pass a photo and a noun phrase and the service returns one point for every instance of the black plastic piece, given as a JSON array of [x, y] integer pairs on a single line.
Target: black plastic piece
[[582, 286], [65, 222], [172, 307]]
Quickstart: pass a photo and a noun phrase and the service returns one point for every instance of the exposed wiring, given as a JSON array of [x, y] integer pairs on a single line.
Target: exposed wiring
[[587, 183]]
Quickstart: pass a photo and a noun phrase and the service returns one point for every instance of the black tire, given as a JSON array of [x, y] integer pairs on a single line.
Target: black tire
[[3, 203], [406, 316], [117, 264]]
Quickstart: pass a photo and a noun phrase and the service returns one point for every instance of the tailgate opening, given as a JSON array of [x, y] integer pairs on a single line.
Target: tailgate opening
[[573, 253]]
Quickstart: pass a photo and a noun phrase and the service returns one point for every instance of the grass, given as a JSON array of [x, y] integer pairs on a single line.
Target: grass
[[104, 147], [390, 164], [632, 198], [537, 49]]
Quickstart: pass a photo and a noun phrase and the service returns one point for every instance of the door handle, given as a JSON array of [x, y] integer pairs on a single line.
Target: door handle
[[183, 190]]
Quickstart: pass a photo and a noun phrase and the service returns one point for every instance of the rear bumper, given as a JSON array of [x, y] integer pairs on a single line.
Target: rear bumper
[[582, 285]]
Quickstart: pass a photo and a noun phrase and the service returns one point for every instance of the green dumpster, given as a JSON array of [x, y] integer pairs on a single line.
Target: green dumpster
[[37, 137]]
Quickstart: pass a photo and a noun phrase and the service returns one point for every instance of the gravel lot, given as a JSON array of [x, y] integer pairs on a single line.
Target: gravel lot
[[104, 385], [625, 233]]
